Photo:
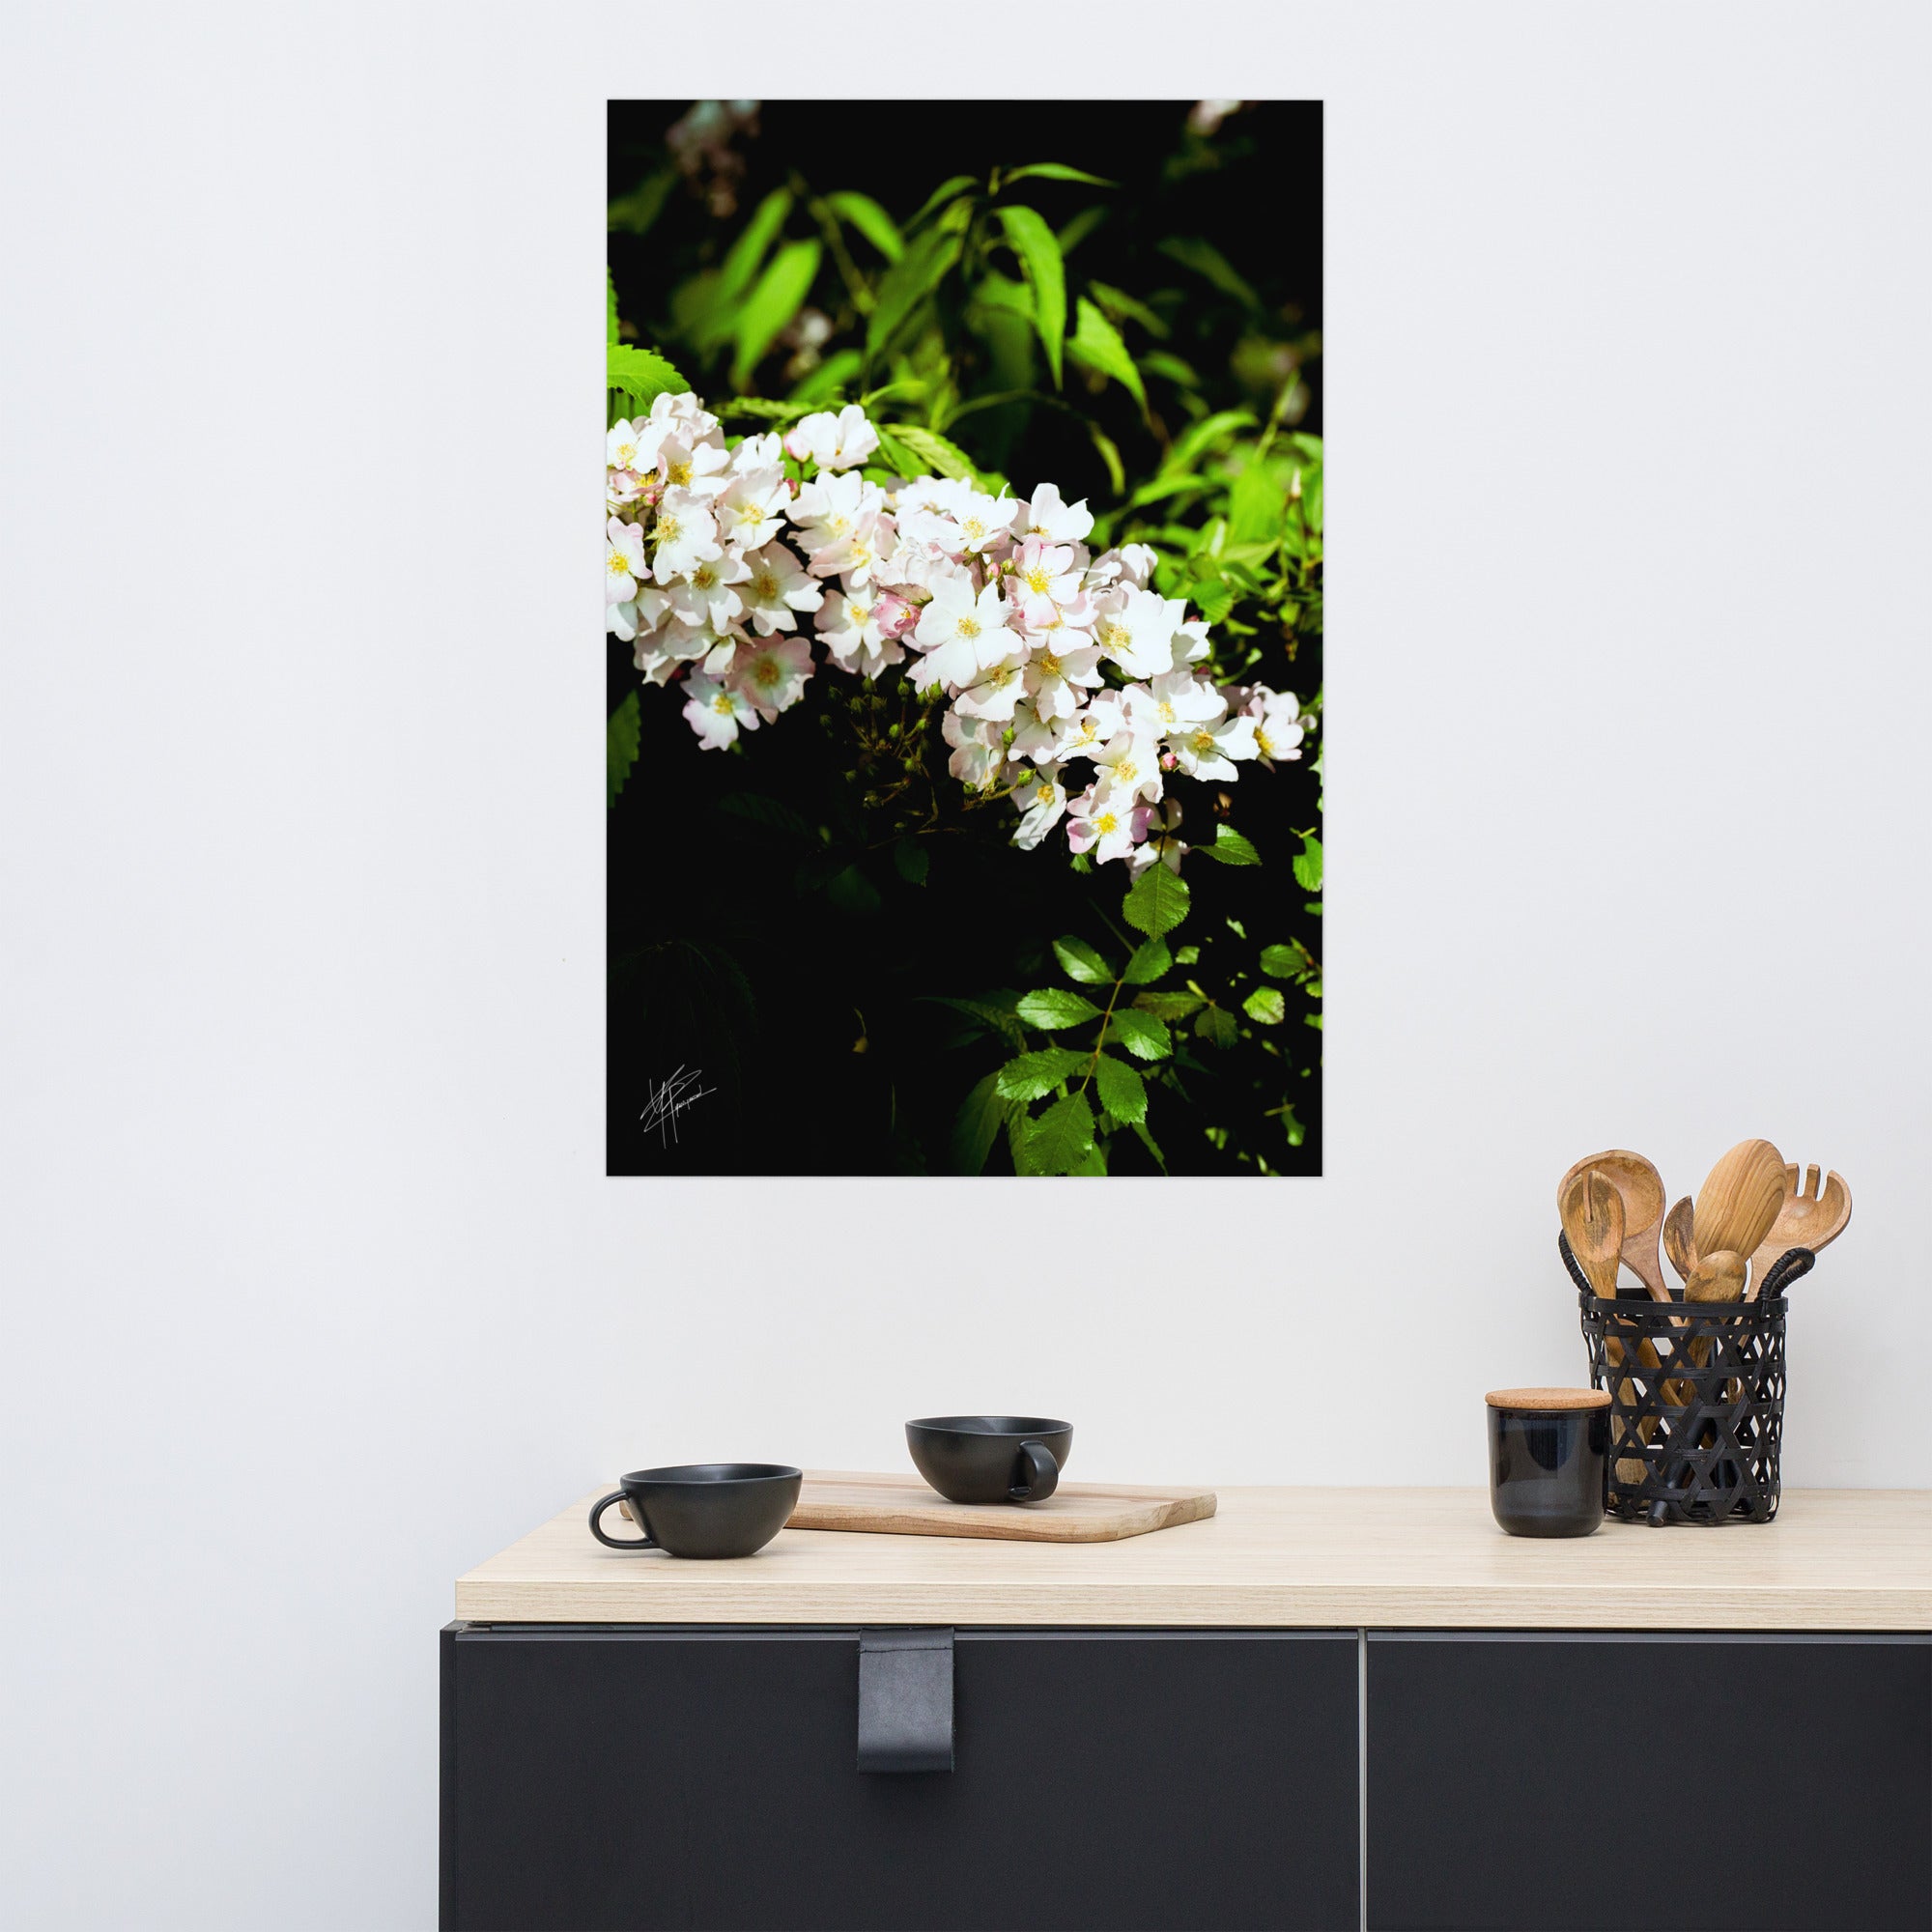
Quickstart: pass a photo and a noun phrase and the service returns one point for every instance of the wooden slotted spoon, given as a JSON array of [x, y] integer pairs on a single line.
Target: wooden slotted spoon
[[1591, 1211], [1641, 1189], [1810, 1216]]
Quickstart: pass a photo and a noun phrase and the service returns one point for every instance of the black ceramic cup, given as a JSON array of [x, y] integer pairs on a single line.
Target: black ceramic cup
[[990, 1458], [1549, 1458], [703, 1509]]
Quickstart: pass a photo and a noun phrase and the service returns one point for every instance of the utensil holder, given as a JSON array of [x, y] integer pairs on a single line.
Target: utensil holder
[[1707, 1420]]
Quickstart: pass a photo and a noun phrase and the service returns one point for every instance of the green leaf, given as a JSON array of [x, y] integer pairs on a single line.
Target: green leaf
[[1054, 171], [1257, 507], [1031, 240], [1148, 1140], [1123, 1091], [1208, 260], [1158, 901], [912, 860], [641, 375], [1217, 1027], [982, 1114], [1119, 303], [945, 192], [1062, 1138], [870, 220], [741, 262], [1079, 961], [996, 1019], [1054, 1006], [1168, 1005], [1282, 962], [636, 212], [1230, 847], [907, 283], [753, 811], [851, 891], [610, 310], [771, 304], [826, 382], [1197, 439], [1265, 1007], [1028, 1075], [1097, 343], [621, 740], [1140, 1033], [1150, 960], [1110, 455], [1093, 1162], [1308, 864], [932, 451]]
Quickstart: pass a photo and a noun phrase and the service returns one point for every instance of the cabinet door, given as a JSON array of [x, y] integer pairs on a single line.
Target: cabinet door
[[599, 1779], [1574, 1781]]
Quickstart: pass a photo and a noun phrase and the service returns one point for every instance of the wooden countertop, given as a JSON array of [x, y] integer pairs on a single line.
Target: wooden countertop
[[1835, 1560]]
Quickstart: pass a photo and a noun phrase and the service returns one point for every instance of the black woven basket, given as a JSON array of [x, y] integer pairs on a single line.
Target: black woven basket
[[1696, 1401]]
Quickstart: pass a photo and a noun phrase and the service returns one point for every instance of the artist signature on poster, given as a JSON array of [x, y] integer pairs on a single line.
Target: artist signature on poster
[[665, 1099]]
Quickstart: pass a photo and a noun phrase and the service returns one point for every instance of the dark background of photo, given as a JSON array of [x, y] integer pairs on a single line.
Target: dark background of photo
[[809, 1018]]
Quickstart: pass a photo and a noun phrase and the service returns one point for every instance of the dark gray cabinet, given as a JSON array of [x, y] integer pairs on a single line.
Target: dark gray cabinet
[[1584, 1782], [606, 1777]]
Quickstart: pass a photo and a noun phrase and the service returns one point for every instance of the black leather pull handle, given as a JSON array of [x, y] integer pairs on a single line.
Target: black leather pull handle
[[905, 1700]]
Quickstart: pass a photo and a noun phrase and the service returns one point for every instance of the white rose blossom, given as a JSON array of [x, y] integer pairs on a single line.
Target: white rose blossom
[[994, 604]]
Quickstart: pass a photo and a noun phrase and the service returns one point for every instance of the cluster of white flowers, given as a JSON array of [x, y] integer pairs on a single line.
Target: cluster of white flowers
[[997, 602]]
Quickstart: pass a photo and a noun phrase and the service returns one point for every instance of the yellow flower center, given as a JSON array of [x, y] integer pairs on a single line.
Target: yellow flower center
[[969, 628], [1204, 741], [678, 473], [1261, 739], [1115, 636], [1049, 664], [1166, 711], [1106, 824], [1045, 795], [764, 585], [626, 455], [1037, 580], [704, 577], [668, 530], [620, 564], [1000, 677], [766, 670], [721, 705], [974, 527]]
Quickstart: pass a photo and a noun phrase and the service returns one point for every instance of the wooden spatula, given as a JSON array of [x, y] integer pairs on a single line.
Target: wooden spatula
[[1738, 1200], [1641, 1189]]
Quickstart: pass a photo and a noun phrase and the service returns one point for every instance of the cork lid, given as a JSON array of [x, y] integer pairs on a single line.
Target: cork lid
[[1548, 1400]]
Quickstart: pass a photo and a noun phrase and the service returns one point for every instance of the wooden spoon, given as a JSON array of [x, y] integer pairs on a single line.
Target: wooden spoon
[[1738, 1200], [1593, 1221], [1593, 1218], [1642, 1187], [1680, 1241], [1808, 1218], [1716, 1277]]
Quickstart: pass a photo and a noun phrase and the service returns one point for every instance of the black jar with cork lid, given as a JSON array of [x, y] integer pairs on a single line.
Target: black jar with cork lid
[[1548, 1458]]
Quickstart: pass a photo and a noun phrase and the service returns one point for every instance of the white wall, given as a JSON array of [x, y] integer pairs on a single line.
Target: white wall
[[314, 1293]]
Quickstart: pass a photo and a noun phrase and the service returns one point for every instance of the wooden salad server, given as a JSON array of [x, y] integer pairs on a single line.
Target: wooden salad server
[[1592, 1210], [1808, 1218], [1738, 1201], [1680, 1241], [1642, 1187]]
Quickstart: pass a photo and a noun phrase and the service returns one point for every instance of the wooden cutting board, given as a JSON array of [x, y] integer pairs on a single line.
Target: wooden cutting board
[[1075, 1512]]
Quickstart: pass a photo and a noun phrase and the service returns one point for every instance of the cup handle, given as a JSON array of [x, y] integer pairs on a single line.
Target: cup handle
[[597, 1510], [1042, 1475]]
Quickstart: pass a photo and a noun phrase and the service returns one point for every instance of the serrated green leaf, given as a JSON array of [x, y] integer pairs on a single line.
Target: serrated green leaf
[[1053, 1007], [932, 451], [780, 291], [1097, 343], [869, 219], [912, 860], [997, 1020], [1054, 171], [641, 375], [945, 192], [1217, 1027], [851, 891], [907, 283], [753, 811], [1158, 901], [636, 212], [1308, 864], [980, 1117], [1150, 960], [1143, 1036], [1019, 1128], [1079, 961], [1231, 848], [1093, 1162], [1265, 1007], [620, 738], [1123, 1091], [1282, 962], [1152, 1146], [1061, 1137], [1168, 1005], [1027, 1076], [1031, 240]]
